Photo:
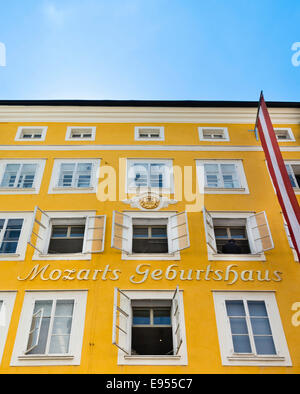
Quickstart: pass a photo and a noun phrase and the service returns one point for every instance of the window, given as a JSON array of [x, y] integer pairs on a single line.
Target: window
[[149, 328], [249, 329], [237, 235], [284, 134], [150, 235], [74, 176], [31, 133], [51, 329], [213, 134], [81, 133], [293, 169], [149, 174], [146, 133], [10, 230], [7, 300], [221, 176], [69, 235], [14, 227], [21, 177]]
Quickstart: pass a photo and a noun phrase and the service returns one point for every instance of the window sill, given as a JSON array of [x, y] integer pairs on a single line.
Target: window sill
[[236, 257], [254, 357], [72, 188], [154, 357], [152, 360], [62, 256], [225, 190], [18, 190], [45, 357], [151, 256]]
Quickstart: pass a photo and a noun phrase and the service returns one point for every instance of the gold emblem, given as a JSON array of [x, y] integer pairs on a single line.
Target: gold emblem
[[149, 202]]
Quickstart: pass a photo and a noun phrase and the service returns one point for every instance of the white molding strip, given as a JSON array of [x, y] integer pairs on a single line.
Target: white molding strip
[[189, 148], [87, 115]]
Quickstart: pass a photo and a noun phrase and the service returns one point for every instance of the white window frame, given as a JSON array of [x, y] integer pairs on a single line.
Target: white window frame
[[22, 129], [6, 309], [148, 215], [212, 256], [37, 179], [19, 356], [71, 128], [224, 131], [290, 134], [282, 358], [40, 242], [243, 189], [295, 162], [127, 359], [55, 189], [167, 162], [287, 232], [19, 255], [160, 129]]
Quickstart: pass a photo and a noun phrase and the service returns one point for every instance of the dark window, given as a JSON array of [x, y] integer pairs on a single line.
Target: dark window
[[66, 239], [232, 240], [150, 239], [152, 331]]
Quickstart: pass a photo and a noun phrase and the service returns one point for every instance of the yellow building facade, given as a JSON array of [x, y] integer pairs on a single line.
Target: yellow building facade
[[114, 229]]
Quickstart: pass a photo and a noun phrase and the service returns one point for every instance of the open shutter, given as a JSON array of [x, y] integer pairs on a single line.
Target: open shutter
[[94, 234], [178, 232], [121, 321], [121, 236], [209, 230], [260, 234], [287, 231], [176, 322], [39, 229], [35, 329]]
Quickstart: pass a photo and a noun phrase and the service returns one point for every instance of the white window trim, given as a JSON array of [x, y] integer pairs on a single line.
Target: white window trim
[[218, 190], [42, 244], [69, 132], [224, 130], [37, 179], [22, 243], [19, 358], [133, 190], [290, 134], [8, 299], [160, 129], [23, 128], [149, 256], [54, 189], [224, 333], [296, 189], [181, 358], [234, 257]]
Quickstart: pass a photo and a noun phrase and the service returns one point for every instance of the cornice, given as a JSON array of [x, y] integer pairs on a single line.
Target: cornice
[[122, 114]]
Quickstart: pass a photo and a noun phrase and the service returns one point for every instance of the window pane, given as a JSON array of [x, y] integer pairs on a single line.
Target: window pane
[[46, 307], [10, 174], [77, 231], [264, 345], [157, 175], [238, 325], [241, 344], [59, 231], [260, 326], [138, 175], [64, 308], [59, 344], [235, 308], [141, 316], [162, 316], [2, 223], [257, 308], [221, 232], [140, 232], [238, 232], [159, 232]]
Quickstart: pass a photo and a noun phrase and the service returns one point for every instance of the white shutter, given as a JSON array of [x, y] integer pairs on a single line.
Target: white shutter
[[39, 230], [209, 230], [94, 234], [288, 233], [35, 329], [121, 332], [178, 232], [259, 232], [176, 322], [121, 236]]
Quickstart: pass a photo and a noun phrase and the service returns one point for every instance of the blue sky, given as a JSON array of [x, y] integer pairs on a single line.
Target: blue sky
[[150, 49]]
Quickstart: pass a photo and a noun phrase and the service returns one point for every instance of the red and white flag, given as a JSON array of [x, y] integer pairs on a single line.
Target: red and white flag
[[285, 193]]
